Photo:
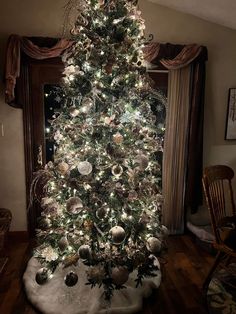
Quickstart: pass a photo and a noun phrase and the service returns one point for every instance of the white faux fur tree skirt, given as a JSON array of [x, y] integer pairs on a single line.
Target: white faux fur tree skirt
[[55, 297]]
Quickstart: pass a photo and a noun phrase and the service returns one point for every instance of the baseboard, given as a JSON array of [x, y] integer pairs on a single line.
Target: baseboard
[[18, 236]]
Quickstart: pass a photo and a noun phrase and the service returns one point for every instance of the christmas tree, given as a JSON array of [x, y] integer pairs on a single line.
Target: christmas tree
[[103, 190]]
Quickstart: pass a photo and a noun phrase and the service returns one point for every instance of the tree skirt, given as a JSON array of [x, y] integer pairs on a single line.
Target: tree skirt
[[221, 294], [54, 297]]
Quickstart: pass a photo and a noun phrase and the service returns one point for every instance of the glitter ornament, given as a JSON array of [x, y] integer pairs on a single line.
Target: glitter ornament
[[118, 138], [153, 245], [117, 170], [71, 279], [63, 244], [119, 275], [63, 168], [74, 205], [117, 234], [42, 276], [85, 168], [85, 252]]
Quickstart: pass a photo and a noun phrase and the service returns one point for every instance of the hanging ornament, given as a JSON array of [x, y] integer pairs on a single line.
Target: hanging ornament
[[119, 275], [117, 234], [85, 168], [74, 112], [63, 168], [117, 170], [142, 161], [42, 276], [153, 245], [71, 279], [84, 252], [74, 205], [102, 212], [63, 244], [118, 138], [45, 223]]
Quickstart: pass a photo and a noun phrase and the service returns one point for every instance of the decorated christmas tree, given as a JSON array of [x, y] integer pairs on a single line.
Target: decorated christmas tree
[[102, 198]]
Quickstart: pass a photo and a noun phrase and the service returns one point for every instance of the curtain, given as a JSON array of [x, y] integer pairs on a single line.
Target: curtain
[[15, 45], [174, 158], [182, 164]]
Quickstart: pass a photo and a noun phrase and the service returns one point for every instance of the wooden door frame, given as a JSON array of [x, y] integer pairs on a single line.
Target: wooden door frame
[[24, 98]]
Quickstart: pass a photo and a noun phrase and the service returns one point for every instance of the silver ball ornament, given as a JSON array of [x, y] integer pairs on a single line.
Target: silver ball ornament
[[85, 168], [71, 279], [153, 245], [119, 275], [84, 252], [117, 235], [74, 205], [42, 276], [63, 244]]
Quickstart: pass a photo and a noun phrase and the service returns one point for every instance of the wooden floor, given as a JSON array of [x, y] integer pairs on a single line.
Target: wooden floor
[[180, 291]]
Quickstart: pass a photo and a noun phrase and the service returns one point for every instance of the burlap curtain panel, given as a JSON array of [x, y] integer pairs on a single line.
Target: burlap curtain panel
[[182, 164]]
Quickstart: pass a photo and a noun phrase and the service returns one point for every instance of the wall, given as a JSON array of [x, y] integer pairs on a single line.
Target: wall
[[45, 18]]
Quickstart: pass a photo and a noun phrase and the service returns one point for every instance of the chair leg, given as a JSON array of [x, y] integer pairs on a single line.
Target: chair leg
[[211, 271]]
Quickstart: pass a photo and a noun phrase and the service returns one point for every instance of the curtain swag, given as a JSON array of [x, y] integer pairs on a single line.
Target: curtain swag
[[173, 57], [15, 45]]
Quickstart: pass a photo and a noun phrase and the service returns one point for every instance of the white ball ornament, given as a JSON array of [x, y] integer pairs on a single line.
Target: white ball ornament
[[117, 234], [85, 168], [74, 205], [84, 252], [153, 245], [119, 275]]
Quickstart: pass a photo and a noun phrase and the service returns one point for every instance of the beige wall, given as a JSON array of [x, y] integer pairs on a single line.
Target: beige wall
[[44, 18]]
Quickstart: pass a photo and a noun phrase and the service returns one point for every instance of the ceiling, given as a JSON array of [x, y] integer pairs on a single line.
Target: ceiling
[[222, 12]]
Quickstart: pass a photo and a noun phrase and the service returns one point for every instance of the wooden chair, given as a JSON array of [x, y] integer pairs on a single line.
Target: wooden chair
[[217, 186]]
